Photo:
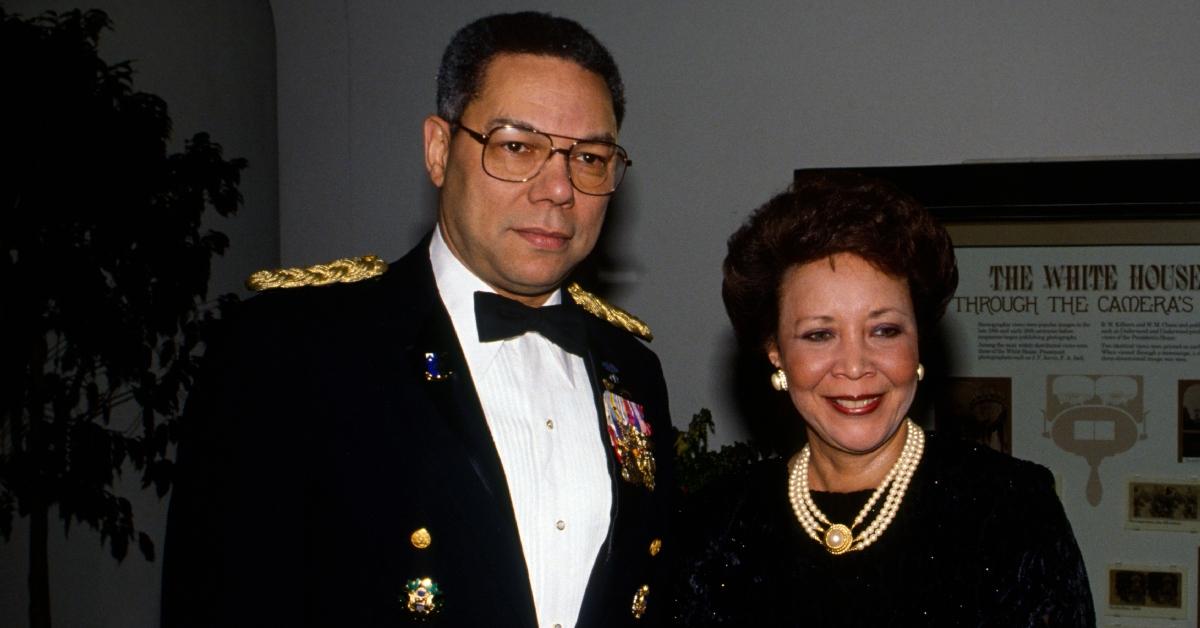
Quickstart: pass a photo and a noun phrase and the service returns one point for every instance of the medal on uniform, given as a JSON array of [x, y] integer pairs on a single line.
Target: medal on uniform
[[628, 432], [424, 596], [639, 601]]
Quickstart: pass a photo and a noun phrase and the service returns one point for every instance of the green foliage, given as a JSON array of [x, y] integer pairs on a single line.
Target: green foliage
[[696, 465], [104, 272]]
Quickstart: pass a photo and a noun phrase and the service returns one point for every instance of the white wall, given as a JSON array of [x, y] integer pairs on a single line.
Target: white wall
[[214, 64]]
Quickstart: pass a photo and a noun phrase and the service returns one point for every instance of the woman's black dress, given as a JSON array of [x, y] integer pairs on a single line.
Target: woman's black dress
[[979, 540]]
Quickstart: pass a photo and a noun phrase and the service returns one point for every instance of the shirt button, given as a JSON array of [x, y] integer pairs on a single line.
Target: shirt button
[[550, 426], [560, 524], [557, 625]]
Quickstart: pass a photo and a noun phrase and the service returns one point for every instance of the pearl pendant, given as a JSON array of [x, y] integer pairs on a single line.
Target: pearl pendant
[[838, 538]]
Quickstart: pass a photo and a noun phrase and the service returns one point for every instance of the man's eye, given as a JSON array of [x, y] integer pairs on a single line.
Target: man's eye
[[591, 159], [514, 147]]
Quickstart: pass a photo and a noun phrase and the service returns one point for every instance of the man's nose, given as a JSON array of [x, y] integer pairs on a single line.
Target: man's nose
[[554, 181]]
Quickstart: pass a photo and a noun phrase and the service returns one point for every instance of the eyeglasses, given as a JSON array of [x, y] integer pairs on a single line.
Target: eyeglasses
[[517, 154]]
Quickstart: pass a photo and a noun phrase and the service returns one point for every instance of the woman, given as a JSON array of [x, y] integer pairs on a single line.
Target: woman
[[872, 523]]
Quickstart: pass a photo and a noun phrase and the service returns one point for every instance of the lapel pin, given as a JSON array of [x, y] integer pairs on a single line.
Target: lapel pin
[[434, 371], [611, 380]]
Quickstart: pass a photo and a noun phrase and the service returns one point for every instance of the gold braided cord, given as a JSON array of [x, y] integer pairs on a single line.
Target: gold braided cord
[[346, 270], [600, 308]]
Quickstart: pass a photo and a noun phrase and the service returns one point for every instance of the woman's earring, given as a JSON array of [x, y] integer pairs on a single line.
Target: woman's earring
[[779, 380], [920, 371]]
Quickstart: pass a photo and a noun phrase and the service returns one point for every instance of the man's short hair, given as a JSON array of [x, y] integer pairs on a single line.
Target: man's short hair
[[476, 44]]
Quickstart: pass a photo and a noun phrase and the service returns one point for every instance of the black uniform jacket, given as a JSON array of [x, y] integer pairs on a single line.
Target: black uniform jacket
[[315, 444]]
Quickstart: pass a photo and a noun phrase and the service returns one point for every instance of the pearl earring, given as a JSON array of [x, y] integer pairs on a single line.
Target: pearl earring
[[920, 371], [779, 380]]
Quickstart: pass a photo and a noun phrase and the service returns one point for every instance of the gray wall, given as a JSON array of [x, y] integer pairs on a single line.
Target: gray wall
[[214, 64]]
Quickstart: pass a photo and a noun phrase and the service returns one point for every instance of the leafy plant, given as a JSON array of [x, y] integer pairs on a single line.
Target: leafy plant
[[104, 274], [696, 465]]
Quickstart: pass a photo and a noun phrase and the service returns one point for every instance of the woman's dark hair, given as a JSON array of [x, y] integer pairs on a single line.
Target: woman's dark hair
[[822, 214], [476, 44]]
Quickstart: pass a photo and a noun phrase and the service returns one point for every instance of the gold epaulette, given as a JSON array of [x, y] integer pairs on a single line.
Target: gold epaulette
[[600, 308], [346, 270]]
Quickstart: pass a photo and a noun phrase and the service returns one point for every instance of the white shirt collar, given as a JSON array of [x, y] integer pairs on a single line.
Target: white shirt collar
[[457, 286]]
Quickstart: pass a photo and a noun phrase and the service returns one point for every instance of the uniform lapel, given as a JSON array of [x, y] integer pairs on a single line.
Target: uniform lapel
[[598, 582], [481, 496], [599, 607], [627, 584]]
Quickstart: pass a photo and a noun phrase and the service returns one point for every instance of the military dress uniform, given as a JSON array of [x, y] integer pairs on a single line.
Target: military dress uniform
[[336, 467]]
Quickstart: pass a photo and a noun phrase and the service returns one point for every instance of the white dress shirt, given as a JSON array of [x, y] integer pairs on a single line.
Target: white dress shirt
[[539, 406]]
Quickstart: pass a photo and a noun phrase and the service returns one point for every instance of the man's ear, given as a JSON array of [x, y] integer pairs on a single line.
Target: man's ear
[[437, 148]]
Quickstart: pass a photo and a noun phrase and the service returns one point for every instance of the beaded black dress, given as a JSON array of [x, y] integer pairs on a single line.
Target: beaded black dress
[[980, 539]]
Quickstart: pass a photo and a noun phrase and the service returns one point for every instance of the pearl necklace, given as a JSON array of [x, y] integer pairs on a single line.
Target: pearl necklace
[[838, 538]]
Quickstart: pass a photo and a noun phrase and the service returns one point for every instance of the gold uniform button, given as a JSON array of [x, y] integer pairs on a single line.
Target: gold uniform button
[[655, 547], [550, 426], [420, 538], [560, 524]]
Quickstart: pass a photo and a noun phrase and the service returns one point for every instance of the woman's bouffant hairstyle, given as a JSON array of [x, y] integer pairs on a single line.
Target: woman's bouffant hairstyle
[[822, 214]]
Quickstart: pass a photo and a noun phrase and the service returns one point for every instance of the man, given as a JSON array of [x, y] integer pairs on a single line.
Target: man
[[398, 447]]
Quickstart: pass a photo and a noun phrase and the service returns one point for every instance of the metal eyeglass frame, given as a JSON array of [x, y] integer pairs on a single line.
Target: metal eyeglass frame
[[482, 138]]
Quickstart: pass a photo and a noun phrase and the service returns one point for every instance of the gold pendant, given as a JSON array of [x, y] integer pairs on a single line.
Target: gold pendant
[[838, 539]]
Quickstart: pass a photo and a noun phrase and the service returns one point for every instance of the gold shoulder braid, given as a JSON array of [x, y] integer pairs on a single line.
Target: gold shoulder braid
[[346, 270], [600, 308]]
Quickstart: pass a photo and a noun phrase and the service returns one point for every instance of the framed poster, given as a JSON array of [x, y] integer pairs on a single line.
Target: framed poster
[[1096, 341]]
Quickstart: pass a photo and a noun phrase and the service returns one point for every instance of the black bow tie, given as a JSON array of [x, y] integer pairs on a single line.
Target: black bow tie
[[498, 318]]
